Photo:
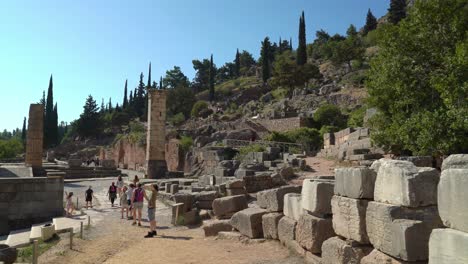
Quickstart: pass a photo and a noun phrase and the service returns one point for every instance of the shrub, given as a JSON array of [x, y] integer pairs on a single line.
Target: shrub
[[10, 148], [330, 115], [177, 119], [185, 143], [309, 138], [356, 117], [198, 107], [279, 93], [246, 149]]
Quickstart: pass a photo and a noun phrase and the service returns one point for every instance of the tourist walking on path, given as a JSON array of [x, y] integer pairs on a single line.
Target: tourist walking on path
[[137, 203], [129, 201], [136, 180], [112, 193], [123, 202], [152, 209], [69, 204], [120, 185], [89, 197]]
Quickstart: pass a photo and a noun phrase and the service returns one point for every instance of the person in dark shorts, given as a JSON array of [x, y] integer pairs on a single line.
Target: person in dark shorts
[[89, 197], [112, 193], [151, 198], [137, 204]]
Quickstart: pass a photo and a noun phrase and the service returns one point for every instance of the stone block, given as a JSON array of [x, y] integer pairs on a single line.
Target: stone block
[[212, 228], [349, 218], [273, 200], [293, 206], [381, 228], [233, 184], [270, 225], [355, 182], [457, 161], [377, 257], [448, 246], [316, 196], [221, 172], [338, 251], [312, 231], [249, 222], [241, 173], [402, 183], [74, 163], [286, 229], [453, 198], [174, 188], [186, 198], [404, 234], [235, 191], [225, 207]]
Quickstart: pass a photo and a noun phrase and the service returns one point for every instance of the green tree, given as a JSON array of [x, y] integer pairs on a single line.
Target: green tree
[[89, 123], [246, 62], [139, 98], [148, 85], [125, 100], [237, 64], [346, 50], [201, 81], [302, 48], [50, 129], [175, 78], [212, 74], [198, 107], [371, 22], [266, 64], [351, 31], [330, 115], [180, 100], [397, 11], [418, 81], [10, 148]]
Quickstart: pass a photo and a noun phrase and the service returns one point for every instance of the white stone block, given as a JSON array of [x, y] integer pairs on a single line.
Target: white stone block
[[292, 206], [316, 196], [453, 198], [448, 246]]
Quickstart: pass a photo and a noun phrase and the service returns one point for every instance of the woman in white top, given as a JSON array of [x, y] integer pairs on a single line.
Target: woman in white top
[[120, 185]]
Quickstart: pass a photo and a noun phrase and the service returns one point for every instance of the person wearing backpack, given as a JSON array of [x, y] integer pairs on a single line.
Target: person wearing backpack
[[137, 203], [112, 193], [152, 209]]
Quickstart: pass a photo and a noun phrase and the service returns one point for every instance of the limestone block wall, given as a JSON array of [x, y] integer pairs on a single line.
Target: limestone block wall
[[174, 156], [26, 201], [283, 124], [129, 155]]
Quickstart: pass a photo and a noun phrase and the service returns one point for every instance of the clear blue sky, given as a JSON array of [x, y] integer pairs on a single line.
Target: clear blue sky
[[92, 46]]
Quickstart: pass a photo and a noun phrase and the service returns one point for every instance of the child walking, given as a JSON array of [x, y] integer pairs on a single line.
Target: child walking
[[123, 202], [69, 204]]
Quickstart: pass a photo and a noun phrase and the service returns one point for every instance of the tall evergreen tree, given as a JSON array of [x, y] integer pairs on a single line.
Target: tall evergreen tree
[[109, 105], [55, 126], [149, 76], [125, 100], [43, 100], [23, 131], [290, 44], [130, 100], [89, 123], [280, 47], [266, 64], [397, 11], [237, 64], [140, 97], [161, 83], [103, 106], [155, 85], [212, 74], [371, 22], [49, 134], [302, 48]]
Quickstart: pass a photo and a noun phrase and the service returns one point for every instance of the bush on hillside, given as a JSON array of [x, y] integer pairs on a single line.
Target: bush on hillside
[[186, 143], [356, 117], [199, 107], [10, 148], [330, 115], [177, 119], [309, 138]]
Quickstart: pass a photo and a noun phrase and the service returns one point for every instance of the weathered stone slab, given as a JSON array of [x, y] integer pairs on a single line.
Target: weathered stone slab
[[174, 188], [316, 196], [225, 207], [235, 191], [384, 231], [453, 198], [233, 184], [286, 229], [273, 199], [241, 173], [212, 228], [402, 183], [357, 182], [186, 198], [270, 225], [293, 206], [349, 218], [312, 231], [338, 251], [377, 257], [448, 246], [249, 222], [457, 161]]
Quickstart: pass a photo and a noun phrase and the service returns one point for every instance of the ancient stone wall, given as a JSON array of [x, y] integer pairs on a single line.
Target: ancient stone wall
[[35, 136], [156, 134], [174, 156], [129, 155], [283, 124], [27, 201]]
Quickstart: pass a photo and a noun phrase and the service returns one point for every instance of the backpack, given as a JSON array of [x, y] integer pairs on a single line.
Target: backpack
[[138, 195]]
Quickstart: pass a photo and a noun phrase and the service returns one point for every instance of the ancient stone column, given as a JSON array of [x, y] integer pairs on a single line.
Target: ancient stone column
[[156, 134], [35, 136]]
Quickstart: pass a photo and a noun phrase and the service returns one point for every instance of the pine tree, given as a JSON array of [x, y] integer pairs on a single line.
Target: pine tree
[[155, 85], [23, 131], [265, 53], [109, 105], [103, 107], [212, 74], [351, 32], [237, 64], [149, 76], [290, 44], [280, 47], [371, 22], [302, 49], [125, 100], [43, 100], [397, 11]]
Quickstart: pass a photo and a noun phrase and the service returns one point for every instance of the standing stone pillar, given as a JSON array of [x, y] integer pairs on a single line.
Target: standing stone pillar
[[156, 134], [35, 136]]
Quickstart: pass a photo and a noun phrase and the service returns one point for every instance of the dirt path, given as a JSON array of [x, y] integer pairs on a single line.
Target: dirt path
[[115, 240]]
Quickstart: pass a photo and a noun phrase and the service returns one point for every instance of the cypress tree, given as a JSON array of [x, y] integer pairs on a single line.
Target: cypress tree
[[211, 77], [49, 111], [302, 49], [130, 100], [397, 11], [140, 97], [149, 76], [23, 131], [371, 22], [290, 44], [109, 105], [237, 64], [55, 126], [125, 100], [161, 83], [155, 85], [265, 53]]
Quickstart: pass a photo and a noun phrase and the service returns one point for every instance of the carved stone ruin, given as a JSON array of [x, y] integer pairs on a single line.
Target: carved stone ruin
[[35, 136], [156, 135]]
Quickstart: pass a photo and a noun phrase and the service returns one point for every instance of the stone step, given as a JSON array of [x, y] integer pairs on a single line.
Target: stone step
[[63, 224], [18, 238]]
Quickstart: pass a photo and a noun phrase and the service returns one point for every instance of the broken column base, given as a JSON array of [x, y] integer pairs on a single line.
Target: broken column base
[[156, 169]]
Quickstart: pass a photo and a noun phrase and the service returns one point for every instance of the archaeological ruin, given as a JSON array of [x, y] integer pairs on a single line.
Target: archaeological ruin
[[156, 135]]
